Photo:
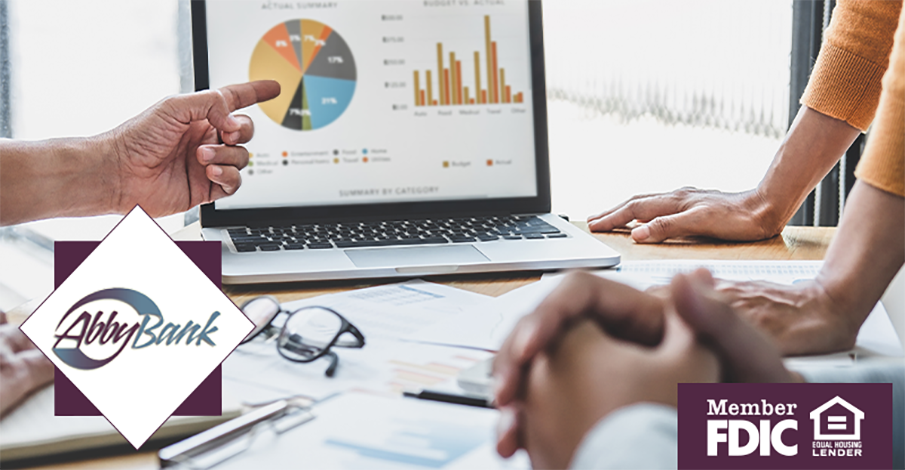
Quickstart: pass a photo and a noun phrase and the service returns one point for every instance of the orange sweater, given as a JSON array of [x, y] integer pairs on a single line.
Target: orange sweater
[[846, 84]]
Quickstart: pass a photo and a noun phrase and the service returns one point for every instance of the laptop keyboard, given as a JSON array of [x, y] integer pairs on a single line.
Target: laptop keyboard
[[392, 233]]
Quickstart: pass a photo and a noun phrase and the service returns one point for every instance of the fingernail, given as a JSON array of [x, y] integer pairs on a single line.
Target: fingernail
[[207, 154], [216, 171], [507, 419], [233, 136], [641, 233]]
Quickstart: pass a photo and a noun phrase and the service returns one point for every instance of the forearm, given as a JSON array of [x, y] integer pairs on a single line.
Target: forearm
[[867, 252], [55, 178], [814, 143]]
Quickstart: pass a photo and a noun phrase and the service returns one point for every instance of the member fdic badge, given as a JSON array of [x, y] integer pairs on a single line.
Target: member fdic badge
[[747, 426]]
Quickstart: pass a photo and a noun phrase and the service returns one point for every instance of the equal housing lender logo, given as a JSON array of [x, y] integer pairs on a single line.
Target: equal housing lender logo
[[785, 426], [137, 331]]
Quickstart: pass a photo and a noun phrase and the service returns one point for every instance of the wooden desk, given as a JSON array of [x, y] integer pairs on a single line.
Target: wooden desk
[[795, 243]]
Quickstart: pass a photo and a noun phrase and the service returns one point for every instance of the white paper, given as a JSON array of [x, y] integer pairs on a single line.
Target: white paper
[[488, 325], [397, 310], [255, 373], [365, 431]]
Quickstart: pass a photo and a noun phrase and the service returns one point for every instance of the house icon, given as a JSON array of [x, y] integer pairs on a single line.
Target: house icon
[[829, 417]]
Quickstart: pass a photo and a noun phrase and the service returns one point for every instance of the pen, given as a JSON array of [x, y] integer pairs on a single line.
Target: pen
[[450, 398]]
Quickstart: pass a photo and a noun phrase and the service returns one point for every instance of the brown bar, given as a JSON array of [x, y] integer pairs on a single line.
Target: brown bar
[[477, 74], [430, 90], [460, 99], [440, 90], [488, 99], [496, 79], [417, 89], [466, 99], [423, 103], [503, 98], [452, 79], [446, 86]]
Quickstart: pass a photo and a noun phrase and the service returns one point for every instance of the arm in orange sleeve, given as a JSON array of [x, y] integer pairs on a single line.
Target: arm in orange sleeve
[[883, 163], [845, 82]]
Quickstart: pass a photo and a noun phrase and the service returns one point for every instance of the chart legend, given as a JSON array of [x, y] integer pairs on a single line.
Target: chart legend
[[450, 87], [315, 69]]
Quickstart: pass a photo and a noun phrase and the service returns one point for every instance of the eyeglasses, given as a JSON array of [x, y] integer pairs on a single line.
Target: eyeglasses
[[307, 334]]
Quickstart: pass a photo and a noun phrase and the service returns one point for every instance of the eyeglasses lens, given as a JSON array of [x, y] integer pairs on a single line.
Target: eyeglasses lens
[[260, 311], [308, 332]]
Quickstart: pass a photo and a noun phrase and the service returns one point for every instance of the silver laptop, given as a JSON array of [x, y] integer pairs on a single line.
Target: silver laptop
[[410, 139]]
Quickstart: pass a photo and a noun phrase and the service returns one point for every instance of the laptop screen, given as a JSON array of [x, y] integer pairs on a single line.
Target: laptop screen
[[382, 101]]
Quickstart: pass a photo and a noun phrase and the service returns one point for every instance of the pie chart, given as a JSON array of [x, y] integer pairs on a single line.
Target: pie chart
[[316, 71]]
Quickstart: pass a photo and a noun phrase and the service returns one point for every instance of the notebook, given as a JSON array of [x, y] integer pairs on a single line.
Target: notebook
[[32, 431]]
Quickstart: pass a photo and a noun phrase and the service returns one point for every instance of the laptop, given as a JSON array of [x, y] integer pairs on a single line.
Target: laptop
[[410, 139]]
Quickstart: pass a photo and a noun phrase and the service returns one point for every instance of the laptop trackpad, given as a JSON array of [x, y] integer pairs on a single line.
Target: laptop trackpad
[[439, 256]]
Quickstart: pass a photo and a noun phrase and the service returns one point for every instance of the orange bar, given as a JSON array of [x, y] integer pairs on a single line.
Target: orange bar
[[460, 99], [446, 86], [518, 97], [471, 101], [435, 102], [484, 96], [422, 99], [496, 76], [417, 89], [490, 72], [508, 95]]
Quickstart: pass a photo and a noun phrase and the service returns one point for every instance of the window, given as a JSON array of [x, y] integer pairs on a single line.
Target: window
[[79, 68], [649, 96]]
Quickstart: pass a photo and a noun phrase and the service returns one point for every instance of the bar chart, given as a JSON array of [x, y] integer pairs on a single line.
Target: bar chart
[[445, 86]]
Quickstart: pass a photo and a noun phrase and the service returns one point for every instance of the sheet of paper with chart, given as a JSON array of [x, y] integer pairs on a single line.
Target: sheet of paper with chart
[[255, 373], [358, 430]]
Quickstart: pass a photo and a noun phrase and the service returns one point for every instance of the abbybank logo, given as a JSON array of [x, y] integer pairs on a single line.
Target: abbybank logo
[[134, 359], [77, 340], [785, 426]]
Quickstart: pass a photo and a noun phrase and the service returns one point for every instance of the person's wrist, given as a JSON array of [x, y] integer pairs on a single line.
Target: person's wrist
[[835, 304], [78, 175], [767, 210], [109, 149]]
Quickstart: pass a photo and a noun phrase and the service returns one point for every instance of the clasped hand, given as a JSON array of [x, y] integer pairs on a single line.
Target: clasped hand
[[594, 346]]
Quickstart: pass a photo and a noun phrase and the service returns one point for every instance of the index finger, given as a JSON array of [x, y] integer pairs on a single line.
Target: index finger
[[246, 94], [216, 105], [605, 213], [638, 209], [624, 312]]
